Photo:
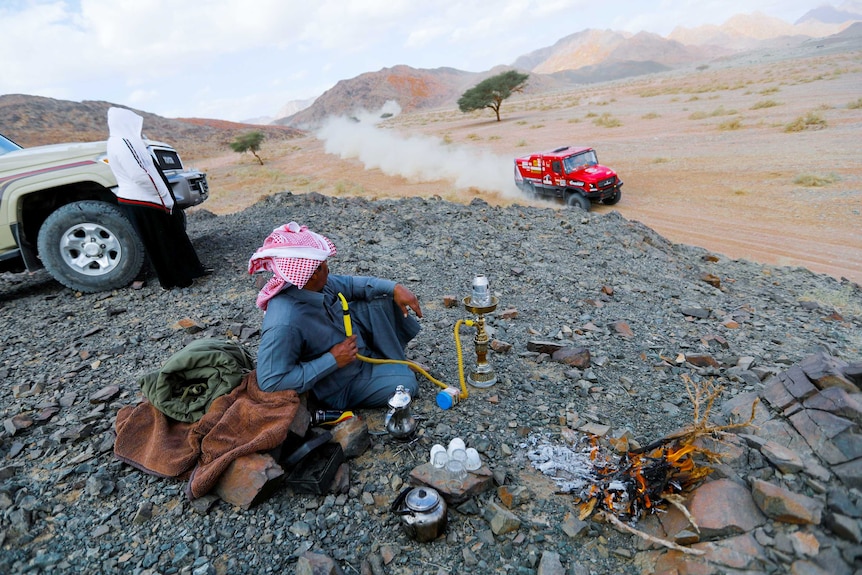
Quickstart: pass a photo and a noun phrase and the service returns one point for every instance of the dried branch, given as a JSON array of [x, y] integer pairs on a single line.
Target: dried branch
[[647, 537]]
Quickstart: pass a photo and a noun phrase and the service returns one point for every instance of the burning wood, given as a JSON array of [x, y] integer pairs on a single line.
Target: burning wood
[[629, 485]]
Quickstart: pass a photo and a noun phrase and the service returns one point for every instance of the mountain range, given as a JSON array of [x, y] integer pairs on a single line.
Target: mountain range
[[584, 57]]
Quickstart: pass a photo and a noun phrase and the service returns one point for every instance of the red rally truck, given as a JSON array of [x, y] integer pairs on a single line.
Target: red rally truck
[[570, 174]]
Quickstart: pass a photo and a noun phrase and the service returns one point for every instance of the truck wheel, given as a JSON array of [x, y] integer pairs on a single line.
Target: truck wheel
[[613, 199], [576, 200], [90, 246]]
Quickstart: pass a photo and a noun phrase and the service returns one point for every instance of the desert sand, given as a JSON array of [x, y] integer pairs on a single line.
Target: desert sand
[[755, 158]]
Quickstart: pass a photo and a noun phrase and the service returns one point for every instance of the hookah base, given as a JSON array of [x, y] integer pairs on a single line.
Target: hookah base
[[482, 379]]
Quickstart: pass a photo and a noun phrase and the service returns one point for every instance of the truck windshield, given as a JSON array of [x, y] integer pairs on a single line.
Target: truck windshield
[[7, 145], [576, 161]]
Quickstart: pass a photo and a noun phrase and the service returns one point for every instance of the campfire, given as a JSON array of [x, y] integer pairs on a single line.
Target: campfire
[[622, 484]]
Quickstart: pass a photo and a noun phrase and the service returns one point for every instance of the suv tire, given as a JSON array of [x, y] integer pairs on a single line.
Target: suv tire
[[576, 200], [90, 246]]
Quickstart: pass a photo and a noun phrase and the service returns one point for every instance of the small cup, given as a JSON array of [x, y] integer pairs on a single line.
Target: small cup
[[457, 473], [473, 462], [456, 443], [439, 456], [458, 455]]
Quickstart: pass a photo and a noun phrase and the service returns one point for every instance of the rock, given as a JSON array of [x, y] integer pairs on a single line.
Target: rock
[[188, 325], [826, 371], [501, 520], [105, 394], [548, 347], [844, 527], [352, 434], [723, 507], [550, 564], [701, 360], [316, 564], [476, 482], [573, 356], [784, 505], [785, 460], [249, 480], [622, 328]]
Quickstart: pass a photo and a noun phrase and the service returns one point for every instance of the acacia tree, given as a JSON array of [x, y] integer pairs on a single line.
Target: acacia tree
[[248, 142], [491, 92]]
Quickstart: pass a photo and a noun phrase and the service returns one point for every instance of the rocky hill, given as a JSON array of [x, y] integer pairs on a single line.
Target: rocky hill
[[35, 121], [601, 323]]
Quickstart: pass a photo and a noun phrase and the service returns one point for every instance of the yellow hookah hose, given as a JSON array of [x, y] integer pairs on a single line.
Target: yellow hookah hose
[[348, 330], [458, 323]]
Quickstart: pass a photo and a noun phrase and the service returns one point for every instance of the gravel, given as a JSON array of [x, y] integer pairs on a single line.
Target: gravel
[[633, 299]]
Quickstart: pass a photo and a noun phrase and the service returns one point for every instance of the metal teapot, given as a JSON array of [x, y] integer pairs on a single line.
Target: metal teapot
[[422, 512], [399, 421]]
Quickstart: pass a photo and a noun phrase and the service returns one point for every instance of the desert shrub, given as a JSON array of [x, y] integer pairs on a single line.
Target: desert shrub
[[699, 115], [660, 160], [474, 137], [521, 143], [607, 121], [574, 120], [770, 90], [447, 138], [856, 104], [521, 122], [650, 116], [810, 121], [720, 111], [591, 115], [537, 126], [814, 180], [764, 104], [734, 124], [845, 299]]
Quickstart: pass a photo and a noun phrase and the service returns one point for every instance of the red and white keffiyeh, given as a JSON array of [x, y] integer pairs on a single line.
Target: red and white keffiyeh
[[292, 253]]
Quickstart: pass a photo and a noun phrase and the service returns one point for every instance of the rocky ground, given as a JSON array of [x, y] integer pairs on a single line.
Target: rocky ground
[[650, 313]]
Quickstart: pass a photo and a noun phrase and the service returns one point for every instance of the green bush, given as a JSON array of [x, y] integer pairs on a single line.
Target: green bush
[[810, 121]]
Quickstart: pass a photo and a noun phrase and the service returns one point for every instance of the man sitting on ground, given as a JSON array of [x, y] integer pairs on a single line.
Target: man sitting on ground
[[303, 343]]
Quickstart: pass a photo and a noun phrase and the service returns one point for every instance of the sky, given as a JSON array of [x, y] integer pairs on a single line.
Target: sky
[[242, 59]]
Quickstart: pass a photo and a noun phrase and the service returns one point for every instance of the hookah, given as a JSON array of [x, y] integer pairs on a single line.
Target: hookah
[[479, 303]]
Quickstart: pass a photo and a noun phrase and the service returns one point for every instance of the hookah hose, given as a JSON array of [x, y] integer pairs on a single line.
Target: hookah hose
[[348, 330]]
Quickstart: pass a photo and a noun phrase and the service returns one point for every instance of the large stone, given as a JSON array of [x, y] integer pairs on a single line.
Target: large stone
[[785, 460], [838, 401], [797, 383], [818, 427], [476, 482], [827, 371], [850, 473], [316, 564], [777, 395], [249, 479], [352, 434], [550, 564], [785, 505], [575, 356], [722, 508], [502, 520]]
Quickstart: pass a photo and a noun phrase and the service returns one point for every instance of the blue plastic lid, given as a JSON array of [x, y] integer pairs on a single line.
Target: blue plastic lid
[[444, 400]]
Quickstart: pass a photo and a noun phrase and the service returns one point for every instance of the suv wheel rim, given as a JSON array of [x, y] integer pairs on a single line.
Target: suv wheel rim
[[90, 249]]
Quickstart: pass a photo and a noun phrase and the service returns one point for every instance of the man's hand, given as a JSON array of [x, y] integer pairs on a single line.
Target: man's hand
[[344, 352], [406, 299]]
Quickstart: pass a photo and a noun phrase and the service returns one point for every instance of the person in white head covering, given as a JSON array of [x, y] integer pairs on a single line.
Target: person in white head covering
[[145, 195], [303, 344]]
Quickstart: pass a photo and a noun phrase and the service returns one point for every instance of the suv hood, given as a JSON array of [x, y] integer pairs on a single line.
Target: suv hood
[[44, 156]]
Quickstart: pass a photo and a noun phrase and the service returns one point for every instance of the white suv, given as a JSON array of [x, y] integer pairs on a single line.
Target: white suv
[[58, 211]]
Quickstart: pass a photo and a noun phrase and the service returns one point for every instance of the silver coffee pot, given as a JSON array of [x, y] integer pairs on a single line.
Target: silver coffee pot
[[422, 512], [400, 423]]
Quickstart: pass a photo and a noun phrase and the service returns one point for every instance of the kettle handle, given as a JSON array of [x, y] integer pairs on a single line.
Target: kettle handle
[[394, 508]]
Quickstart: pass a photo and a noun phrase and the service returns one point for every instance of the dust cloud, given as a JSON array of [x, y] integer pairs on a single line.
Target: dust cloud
[[415, 157]]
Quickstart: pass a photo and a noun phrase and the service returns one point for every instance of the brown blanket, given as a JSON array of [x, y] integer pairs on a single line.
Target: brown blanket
[[246, 420]]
